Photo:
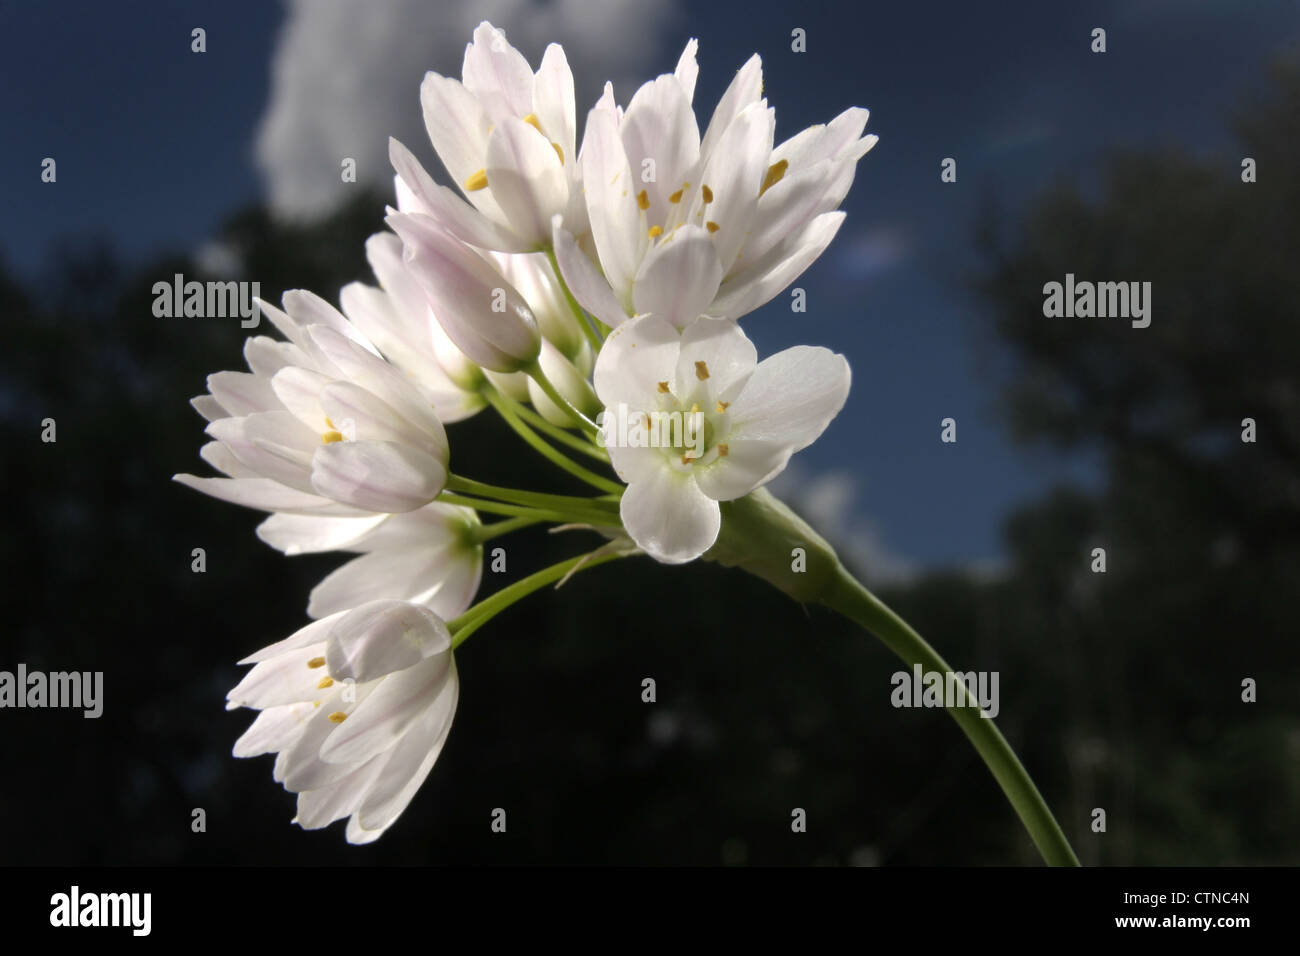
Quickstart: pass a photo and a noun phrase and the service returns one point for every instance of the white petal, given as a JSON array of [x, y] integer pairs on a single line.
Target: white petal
[[360, 415], [307, 534], [283, 679], [734, 172], [377, 476], [404, 574], [669, 517], [687, 69], [617, 225], [242, 393], [265, 494], [786, 209], [745, 88], [266, 356], [457, 126], [635, 358], [209, 407], [221, 458], [497, 74], [381, 637], [460, 218], [320, 807], [747, 465], [273, 730], [716, 356], [411, 760], [659, 125], [382, 718], [553, 100], [584, 280], [314, 633], [746, 291], [791, 397], [679, 277], [298, 390], [526, 178]]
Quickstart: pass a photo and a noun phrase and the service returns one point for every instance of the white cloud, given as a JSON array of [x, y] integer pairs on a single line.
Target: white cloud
[[346, 75]]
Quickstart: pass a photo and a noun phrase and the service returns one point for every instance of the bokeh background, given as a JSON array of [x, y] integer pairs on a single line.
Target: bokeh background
[[1120, 690]]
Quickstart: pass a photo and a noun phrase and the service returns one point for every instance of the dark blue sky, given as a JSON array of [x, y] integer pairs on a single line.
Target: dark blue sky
[[155, 147]]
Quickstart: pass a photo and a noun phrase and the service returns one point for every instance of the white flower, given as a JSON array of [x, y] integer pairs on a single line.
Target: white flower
[[356, 707], [321, 425], [751, 418], [507, 138], [482, 313], [686, 226], [430, 556]]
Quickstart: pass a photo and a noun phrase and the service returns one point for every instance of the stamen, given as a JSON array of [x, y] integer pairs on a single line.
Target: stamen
[[325, 682], [675, 197], [701, 372], [559, 152], [708, 194], [663, 388], [330, 437], [477, 181], [712, 226], [722, 406], [531, 120], [338, 717], [643, 199], [775, 173], [316, 662], [723, 450], [656, 232]]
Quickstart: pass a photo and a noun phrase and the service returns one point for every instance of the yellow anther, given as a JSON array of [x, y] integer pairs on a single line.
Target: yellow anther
[[477, 181], [708, 194], [531, 120], [558, 152], [695, 408], [325, 682], [330, 437], [338, 717], [663, 388], [316, 662], [722, 406], [687, 459], [701, 372], [712, 226], [656, 232], [643, 199], [775, 172], [675, 197], [723, 451]]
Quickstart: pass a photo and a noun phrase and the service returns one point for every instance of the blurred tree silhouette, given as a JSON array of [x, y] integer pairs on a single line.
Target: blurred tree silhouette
[[1120, 691]]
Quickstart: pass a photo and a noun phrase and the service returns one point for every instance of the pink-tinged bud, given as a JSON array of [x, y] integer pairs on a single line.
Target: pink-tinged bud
[[483, 314]]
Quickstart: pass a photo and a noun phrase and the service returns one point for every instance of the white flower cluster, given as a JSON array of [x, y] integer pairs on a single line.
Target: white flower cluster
[[555, 283]]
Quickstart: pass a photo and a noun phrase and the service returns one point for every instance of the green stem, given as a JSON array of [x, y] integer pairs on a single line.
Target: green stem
[[855, 602], [552, 454], [584, 423], [532, 499], [489, 531], [568, 516], [482, 612], [564, 437], [593, 337]]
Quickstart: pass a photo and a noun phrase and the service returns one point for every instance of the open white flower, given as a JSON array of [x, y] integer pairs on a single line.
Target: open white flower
[[747, 419], [356, 707], [322, 425], [430, 556], [685, 225], [507, 137]]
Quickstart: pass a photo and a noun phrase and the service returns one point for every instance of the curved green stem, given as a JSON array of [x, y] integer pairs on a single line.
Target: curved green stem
[[855, 602], [552, 454], [559, 434], [588, 329], [584, 423], [482, 612], [489, 531], [532, 499]]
